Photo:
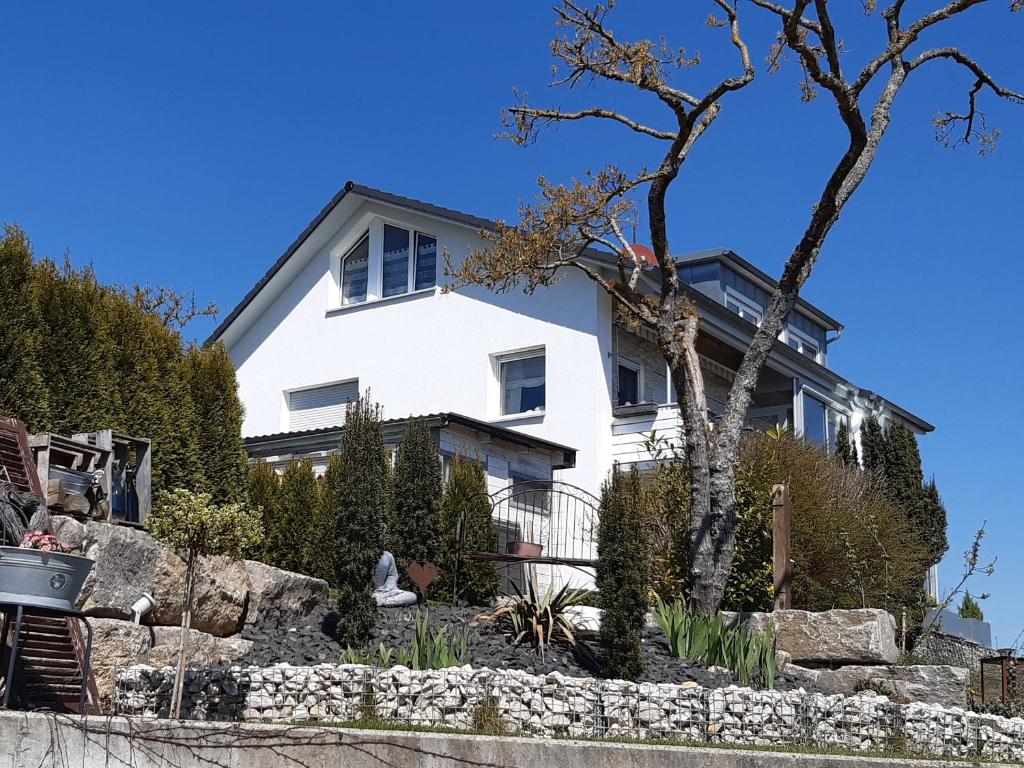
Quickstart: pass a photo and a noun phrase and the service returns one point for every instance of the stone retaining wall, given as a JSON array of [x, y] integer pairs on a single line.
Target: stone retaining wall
[[553, 705]]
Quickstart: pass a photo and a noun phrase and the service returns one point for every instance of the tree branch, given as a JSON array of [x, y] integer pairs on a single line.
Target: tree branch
[[524, 120]]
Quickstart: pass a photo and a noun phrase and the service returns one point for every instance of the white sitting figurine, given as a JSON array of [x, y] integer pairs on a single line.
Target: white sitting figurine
[[385, 579]]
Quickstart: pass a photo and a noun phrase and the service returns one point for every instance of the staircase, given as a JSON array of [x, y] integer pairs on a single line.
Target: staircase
[[48, 674]]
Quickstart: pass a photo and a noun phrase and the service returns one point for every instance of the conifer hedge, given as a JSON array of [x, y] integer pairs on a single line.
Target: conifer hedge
[[79, 356]]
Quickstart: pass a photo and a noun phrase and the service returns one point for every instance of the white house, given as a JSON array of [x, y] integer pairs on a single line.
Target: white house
[[355, 303]]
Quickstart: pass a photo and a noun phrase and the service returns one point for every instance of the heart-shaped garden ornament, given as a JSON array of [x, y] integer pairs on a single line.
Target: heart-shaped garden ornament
[[422, 574]]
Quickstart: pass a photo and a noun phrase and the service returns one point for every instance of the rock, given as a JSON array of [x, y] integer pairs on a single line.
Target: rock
[[278, 597], [115, 644], [218, 603], [204, 648], [931, 684], [125, 561], [858, 636]]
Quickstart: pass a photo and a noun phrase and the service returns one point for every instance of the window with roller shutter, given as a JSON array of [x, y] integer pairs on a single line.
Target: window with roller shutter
[[317, 407]]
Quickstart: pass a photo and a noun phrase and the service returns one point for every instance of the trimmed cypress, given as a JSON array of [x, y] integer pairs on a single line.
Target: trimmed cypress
[[22, 389], [218, 413], [932, 523], [970, 609], [465, 493], [356, 501], [846, 450], [298, 499], [623, 574], [263, 489], [417, 496], [872, 446]]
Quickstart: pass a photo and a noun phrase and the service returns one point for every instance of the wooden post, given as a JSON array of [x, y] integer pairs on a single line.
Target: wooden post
[[782, 568]]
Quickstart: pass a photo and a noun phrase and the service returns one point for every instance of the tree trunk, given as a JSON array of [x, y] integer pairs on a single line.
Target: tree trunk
[[183, 650]]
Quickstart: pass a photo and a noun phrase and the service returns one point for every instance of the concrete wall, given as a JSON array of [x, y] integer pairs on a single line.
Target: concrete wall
[[31, 740], [426, 352]]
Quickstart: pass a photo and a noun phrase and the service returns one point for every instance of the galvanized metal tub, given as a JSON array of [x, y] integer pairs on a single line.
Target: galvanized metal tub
[[44, 579]]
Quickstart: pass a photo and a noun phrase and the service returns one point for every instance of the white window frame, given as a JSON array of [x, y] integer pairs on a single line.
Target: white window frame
[[341, 271], [633, 365], [508, 357], [831, 404], [410, 274], [803, 338], [744, 302]]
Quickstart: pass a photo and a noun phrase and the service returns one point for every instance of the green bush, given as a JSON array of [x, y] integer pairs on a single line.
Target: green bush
[[417, 497], [465, 493], [356, 497], [292, 543], [623, 573], [264, 485], [852, 547], [713, 641]]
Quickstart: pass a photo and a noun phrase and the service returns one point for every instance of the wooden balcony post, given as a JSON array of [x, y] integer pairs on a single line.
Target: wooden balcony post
[[782, 567]]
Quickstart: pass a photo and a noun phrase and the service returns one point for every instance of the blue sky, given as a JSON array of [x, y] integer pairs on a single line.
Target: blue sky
[[187, 145]]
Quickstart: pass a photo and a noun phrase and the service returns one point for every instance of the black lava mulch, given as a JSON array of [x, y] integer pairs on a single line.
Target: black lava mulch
[[308, 644]]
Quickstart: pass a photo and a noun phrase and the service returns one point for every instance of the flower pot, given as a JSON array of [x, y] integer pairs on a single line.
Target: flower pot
[[43, 579], [525, 549]]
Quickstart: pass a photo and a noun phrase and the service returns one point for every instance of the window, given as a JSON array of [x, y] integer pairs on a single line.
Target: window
[[814, 420], [426, 261], [744, 307], [395, 261], [821, 422], [802, 343], [354, 272], [629, 382], [522, 383], [400, 275], [530, 494], [317, 407]]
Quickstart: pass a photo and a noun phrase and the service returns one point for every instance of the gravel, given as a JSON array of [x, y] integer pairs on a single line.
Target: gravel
[[308, 644]]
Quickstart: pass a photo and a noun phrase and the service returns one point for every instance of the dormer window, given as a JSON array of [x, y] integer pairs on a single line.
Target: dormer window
[[802, 343], [388, 261], [744, 307], [355, 271]]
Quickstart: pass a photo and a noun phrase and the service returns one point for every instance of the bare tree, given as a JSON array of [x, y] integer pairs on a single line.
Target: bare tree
[[560, 229]]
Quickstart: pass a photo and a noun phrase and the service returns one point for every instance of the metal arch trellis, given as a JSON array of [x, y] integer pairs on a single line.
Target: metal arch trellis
[[538, 522]]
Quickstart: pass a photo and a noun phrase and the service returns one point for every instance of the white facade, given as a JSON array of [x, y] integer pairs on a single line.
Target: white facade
[[424, 351]]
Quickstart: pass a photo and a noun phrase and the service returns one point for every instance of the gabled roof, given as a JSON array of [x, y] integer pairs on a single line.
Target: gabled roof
[[329, 437], [369, 193], [477, 222]]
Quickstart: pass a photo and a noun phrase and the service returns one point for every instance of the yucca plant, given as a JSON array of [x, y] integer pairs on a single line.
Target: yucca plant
[[541, 617], [712, 641]]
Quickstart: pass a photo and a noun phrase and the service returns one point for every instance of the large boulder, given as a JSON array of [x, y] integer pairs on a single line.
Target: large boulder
[[125, 562], [115, 644], [218, 603], [837, 637], [940, 684], [280, 598], [204, 648]]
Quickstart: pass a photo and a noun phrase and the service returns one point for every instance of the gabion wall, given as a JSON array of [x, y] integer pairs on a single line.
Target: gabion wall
[[516, 702]]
